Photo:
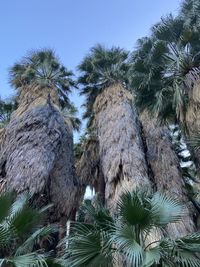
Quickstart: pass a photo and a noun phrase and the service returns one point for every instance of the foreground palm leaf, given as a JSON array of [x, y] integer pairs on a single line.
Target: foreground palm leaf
[[21, 232], [130, 238]]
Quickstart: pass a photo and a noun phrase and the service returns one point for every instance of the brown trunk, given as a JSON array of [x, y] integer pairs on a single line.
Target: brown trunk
[[37, 152], [193, 117], [120, 146], [166, 172]]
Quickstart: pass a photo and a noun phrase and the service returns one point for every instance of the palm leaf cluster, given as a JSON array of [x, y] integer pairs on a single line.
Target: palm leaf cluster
[[42, 68], [101, 68], [130, 236], [21, 232], [163, 62]]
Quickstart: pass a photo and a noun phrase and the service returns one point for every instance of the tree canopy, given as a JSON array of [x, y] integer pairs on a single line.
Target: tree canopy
[[42, 68]]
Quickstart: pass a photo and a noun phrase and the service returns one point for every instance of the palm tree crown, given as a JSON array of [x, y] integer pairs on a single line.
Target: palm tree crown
[[101, 68], [161, 64], [42, 68]]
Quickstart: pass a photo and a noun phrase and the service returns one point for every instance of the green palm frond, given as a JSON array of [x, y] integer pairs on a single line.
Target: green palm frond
[[35, 237], [124, 238], [165, 210], [89, 247], [181, 252], [21, 231], [151, 257], [159, 66], [134, 208], [103, 241], [31, 259], [89, 244]]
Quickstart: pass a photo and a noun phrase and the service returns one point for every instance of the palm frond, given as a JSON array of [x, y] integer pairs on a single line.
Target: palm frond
[[165, 209]]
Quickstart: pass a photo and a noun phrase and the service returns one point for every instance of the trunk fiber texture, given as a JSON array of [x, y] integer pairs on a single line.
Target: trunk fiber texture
[[166, 172], [37, 152], [192, 117], [121, 149]]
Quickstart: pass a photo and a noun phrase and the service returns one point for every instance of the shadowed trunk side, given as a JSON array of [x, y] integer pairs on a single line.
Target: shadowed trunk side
[[193, 116], [166, 171]]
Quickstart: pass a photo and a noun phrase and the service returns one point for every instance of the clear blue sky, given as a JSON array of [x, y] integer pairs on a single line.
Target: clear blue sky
[[71, 27]]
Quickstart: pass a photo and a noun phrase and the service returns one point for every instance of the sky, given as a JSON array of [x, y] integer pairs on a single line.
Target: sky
[[71, 28]]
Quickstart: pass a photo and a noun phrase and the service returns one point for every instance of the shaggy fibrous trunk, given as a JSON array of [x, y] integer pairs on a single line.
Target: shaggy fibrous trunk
[[120, 145], [37, 152], [166, 173], [193, 116]]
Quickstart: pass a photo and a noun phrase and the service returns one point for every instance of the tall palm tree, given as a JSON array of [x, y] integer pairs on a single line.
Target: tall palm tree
[[37, 151], [125, 240], [109, 108], [169, 62], [159, 90]]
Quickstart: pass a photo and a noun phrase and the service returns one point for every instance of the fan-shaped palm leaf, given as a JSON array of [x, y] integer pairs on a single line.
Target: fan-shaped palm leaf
[[20, 231], [103, 241]]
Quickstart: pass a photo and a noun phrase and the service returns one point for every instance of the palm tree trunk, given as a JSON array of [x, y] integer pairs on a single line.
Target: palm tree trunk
[[120, 145], [37, 152], [166, 172], [193, 117]]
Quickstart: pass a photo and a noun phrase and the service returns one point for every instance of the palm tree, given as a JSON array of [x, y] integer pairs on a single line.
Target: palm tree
[[21, 232], [166, 69], [109, 108], [160, 74], [37, 150], [126, 240]]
